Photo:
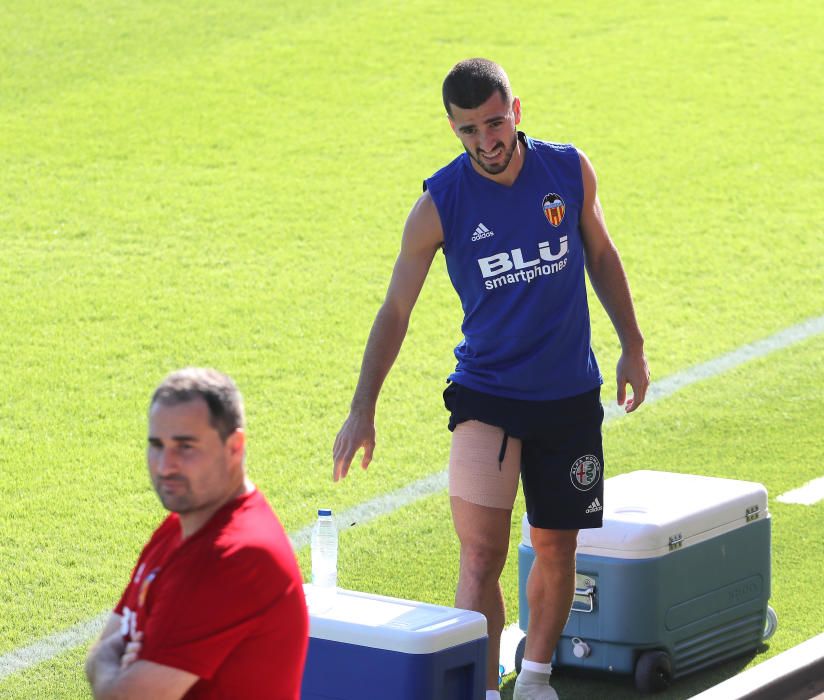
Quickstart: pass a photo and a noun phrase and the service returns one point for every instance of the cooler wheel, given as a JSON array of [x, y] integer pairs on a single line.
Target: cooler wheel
[[519, 654], [770, 623], [653, 672]]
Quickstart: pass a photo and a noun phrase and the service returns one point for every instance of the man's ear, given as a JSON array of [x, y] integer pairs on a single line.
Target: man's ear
[[236, 444], [516, 109]]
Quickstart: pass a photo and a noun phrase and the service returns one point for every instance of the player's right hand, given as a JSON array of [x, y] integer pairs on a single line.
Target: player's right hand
[[358, 432]]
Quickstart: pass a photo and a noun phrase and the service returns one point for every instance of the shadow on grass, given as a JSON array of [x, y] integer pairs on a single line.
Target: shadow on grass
[[575, 684]]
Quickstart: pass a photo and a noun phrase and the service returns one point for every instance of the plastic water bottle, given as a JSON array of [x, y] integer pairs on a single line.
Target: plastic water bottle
[[324, 562]]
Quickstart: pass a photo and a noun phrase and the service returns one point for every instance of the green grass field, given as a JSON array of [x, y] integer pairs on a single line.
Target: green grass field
[[212, 184]]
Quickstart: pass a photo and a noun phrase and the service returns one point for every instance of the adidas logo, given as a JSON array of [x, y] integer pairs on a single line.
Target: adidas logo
[[595, 506], [481, 231]]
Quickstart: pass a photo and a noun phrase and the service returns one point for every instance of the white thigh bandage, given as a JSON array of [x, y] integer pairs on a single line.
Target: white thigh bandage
[[475, 474]]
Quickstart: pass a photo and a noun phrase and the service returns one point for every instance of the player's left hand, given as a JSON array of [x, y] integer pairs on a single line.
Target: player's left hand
[[633, 370], [132, 650]]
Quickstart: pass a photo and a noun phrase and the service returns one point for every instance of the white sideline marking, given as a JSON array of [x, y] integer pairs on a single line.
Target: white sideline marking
[[752, 351], [381, 505], [49, 647], [808, 494]]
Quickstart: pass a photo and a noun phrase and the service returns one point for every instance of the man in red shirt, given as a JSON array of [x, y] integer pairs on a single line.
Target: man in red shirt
[[215, 606]]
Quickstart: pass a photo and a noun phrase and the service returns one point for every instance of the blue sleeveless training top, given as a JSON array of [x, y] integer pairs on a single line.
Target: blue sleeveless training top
[[516, 259]]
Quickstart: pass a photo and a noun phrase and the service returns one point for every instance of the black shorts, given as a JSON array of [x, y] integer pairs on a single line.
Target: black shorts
[[562, 459]]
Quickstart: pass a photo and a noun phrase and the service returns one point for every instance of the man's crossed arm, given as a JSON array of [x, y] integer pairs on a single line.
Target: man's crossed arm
[[115, 672]]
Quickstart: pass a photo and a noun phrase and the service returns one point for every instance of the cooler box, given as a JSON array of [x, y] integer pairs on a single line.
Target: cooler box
[[676, 580], [370, 647]]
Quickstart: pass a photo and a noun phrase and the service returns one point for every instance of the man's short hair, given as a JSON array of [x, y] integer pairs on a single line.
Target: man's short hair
[[471, 82], [215, 388]]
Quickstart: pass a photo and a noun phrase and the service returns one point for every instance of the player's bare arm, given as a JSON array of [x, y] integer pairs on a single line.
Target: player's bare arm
[[609, 281], [422, 236], [111, 679]]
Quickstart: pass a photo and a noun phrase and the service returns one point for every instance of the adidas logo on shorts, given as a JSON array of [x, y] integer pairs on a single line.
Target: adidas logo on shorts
[[480, 232], [594, 507]]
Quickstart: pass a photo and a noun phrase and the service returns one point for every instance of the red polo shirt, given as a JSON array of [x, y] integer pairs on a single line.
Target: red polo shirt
[[225, 604]]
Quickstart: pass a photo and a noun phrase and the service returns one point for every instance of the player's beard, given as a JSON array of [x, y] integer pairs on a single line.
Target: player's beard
[[496, 168], [179, 498], [182, 495]]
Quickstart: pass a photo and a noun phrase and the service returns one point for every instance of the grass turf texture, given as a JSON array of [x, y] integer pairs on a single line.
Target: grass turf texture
[[225, 186]]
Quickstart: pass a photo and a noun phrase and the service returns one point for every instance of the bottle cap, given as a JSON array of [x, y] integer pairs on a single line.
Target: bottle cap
[[324, 511]]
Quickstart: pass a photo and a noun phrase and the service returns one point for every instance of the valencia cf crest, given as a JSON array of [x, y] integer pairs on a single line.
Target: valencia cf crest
[[554, 209]]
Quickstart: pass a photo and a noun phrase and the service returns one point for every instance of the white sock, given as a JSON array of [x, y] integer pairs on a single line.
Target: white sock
[[493, 695], [536, 666], [532, 685]]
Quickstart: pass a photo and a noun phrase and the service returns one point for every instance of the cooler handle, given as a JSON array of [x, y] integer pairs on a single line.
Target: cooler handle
[[587, 592]]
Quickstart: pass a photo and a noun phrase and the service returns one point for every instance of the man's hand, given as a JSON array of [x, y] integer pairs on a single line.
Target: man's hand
[[633, 370], [114, 671], [103, 661], [358, 431], [106, 653], [132, 651]]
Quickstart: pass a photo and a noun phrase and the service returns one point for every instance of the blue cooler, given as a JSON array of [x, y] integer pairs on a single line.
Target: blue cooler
[[677, 579], [370, 647]]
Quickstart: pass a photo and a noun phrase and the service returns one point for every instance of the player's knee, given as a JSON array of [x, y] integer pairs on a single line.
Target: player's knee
[[482, 560], [554, 546]]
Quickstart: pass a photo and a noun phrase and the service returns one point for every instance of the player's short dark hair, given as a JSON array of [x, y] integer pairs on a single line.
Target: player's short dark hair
[[471, 82], [218, 391]]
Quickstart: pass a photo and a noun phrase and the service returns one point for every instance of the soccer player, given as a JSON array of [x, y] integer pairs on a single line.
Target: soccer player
[[518, 221], [215, 605]]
